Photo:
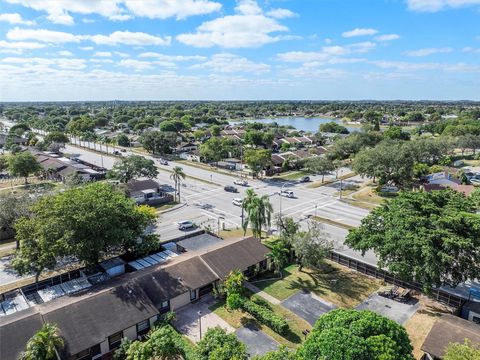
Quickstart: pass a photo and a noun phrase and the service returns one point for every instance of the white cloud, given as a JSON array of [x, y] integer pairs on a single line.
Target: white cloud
[[130, 38], [59, 10], [115, 38], [437, 5], [281, 13], [470, 49], [163, 9], [20, 45], [359, 32], [14, 18], [408, 66], [37, 62], [121, 54], [428, 51], [136, 65], [387, 37], [230, 63], [247, 28], [103, 54], [362, 47], [64, 53], [172, 58], [86, 48]]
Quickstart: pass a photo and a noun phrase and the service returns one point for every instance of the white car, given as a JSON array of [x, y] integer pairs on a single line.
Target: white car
[[241, 182], [237, 202], [185, 224], [475, 182], [287, 193]]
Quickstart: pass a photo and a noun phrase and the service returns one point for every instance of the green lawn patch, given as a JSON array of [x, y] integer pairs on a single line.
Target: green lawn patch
[[336, 284]]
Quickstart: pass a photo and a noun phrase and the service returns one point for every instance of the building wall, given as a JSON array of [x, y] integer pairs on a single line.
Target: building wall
[[180, 301], [104, 347], [131, 332]]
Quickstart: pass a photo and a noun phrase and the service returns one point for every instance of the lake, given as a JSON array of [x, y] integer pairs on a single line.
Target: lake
[[299, 123]]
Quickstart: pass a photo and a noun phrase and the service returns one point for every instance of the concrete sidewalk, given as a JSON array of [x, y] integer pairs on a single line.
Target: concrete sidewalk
[[262, 294]]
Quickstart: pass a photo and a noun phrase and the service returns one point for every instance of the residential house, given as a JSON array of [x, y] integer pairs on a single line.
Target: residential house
[[94, 320], [294, 156], [60, 168], [193, 156], [14, 139], [185, 147], [448, 329], [147, 192]]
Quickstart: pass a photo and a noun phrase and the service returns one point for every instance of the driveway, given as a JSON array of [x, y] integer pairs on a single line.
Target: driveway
[[258, 343], [394, 310], [187, 319], [308, 306]]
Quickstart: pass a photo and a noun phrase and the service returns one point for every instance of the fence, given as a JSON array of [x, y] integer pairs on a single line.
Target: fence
[[437, 294]]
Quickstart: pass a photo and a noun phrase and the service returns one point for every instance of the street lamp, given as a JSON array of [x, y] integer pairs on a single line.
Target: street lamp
[[341, 171], [218, 224], [200, 324]]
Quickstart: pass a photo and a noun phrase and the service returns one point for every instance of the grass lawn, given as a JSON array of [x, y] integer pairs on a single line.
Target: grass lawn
[[338, 285], [163, 207], [238, 318], [317, 184], [294, 175], [332, 222], [472, 162]]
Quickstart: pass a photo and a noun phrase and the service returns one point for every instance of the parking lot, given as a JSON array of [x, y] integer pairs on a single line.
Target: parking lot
[[307, 306], [394, 310]]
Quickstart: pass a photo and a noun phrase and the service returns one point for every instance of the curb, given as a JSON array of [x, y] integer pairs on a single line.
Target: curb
[[179, 206]]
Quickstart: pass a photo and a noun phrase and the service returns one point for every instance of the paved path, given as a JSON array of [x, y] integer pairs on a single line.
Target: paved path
[[257, 342], [262, 294], [187, 319]]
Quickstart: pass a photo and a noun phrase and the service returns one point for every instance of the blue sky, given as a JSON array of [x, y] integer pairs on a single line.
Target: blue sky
[[244, 49]]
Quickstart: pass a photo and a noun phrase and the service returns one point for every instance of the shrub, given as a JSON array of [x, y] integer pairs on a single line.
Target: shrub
[[266, 316], [235, 301]]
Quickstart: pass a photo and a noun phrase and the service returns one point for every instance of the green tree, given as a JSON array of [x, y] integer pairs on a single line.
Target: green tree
[[56, 137], [311, 246], [12, 208], [84, 222], [23, 164], [465, 351], [257, 160], [432, 238], [218, 345], [319, 165], [159, 142], [213, 150], [258, 214], [283, 353], [132, 167], [345, 334], [44, 345], [333, 127], [396, 133], [177, 176], [123, 140], [233, 283], [279, 255]]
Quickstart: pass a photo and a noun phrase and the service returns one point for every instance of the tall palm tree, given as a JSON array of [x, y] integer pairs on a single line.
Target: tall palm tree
[[44, 344], [259, 213], [177, 175]]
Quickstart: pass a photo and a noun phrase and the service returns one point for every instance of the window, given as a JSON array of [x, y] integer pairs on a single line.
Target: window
[[143, 327], [115, 340], [165, 307], [193, 295]]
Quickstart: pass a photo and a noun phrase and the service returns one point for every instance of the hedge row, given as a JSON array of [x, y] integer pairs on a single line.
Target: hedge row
[[265, 316]]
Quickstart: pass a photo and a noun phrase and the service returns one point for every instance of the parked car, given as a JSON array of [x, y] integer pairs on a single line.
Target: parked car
[[163, 162], [116, 152], [389, 189], [287, 193], [475, 182], [237, 202], [230, 188], [305, 179], [185, 225], [123, 150], [240, 182]]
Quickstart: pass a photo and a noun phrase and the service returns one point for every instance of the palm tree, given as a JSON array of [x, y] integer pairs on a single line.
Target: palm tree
[[44, 344], [259, 213], [278, 254], [177, 175]]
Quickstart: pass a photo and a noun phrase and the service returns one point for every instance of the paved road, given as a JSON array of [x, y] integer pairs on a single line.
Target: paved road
[[206, 201]]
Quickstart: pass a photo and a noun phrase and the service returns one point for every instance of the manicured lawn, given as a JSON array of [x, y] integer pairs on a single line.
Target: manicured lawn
[[294, 175], [238, 318], [338, 285]]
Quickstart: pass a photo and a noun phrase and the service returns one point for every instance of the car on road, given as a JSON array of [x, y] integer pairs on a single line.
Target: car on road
[[116, 152], [389, 189], [123, 150], [287, 193], [305, 179], [185, 225], [237, 202], [163, 162], [241, 182], [230, 188]]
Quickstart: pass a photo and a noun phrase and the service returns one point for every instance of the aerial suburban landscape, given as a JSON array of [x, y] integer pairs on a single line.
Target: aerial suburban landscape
[[233, 180]]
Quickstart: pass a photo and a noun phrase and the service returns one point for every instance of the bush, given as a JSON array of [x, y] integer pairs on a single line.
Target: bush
[[266, 316], [235, 301]]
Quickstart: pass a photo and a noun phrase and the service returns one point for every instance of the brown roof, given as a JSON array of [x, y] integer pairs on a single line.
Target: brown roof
[[236, 256], [93, 318], [139, 185], [15, 330], [449, 329]]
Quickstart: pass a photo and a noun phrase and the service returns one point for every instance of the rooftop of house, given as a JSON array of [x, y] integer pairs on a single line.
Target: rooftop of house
[[449, 329]]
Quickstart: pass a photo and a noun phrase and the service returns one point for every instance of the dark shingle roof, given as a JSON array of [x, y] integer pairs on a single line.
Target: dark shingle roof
[[449, 329], [236, 256], [139, 185], [15, 330], [93, 318]]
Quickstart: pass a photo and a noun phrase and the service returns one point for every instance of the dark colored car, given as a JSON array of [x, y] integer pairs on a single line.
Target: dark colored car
[[230, 188], [305, 179]]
